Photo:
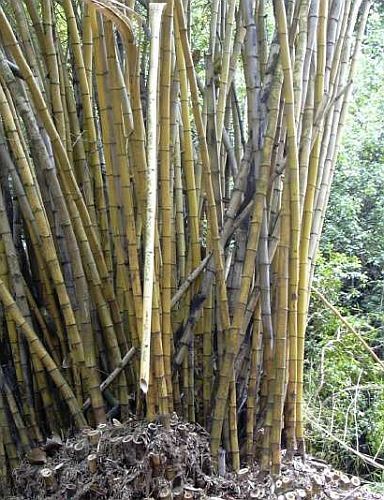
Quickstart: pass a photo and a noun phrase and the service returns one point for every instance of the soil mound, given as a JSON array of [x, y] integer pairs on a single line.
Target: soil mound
[[140, 460]]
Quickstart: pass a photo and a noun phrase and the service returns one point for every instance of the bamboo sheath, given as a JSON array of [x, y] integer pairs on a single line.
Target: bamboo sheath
[[156, 203]]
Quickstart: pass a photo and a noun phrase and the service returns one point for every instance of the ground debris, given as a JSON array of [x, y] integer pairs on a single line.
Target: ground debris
[[141, 460]]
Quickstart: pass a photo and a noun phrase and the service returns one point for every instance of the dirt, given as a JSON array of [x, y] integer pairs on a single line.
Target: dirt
[[138, 460]]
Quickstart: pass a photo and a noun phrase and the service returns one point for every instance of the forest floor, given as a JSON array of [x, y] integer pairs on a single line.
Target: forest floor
[[138, 460]]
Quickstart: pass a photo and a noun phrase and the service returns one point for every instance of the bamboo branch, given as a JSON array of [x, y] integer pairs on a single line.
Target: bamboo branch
[[112, 376], [349, 327]]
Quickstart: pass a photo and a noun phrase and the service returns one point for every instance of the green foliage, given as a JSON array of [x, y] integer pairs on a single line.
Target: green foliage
[[355, 218], [201, 10], [345, 389], [344, 385]]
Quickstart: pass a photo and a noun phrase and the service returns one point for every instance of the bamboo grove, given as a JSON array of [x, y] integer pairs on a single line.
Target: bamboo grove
[[160, 212]]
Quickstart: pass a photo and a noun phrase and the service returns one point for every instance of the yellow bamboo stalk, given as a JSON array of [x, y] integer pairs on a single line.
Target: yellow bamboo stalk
[[253, 384], [15, 415], [87, 44], [294, 188], [37, 349], [158, 355], [70, 186], [52, 64], [166, 194], [224, 80], [9, 446], [248, 268], [156, 11], [188, 163], [47, 247], [232, 425], [281, 326], [90, 123]]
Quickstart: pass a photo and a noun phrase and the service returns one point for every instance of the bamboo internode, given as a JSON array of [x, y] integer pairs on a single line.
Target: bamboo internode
[[160, 215]]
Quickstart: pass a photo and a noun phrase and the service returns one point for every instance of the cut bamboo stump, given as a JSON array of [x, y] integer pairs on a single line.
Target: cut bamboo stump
[[48, 478], [139, 447], [155, 460], [290, 495], [282, 485], [328, 475], [333, 495], [81, 450], [344, 482], [165, 494], [337, 475], [355, 481], [317, 484], [170, 472], [178, 493], [92, 463], [257, 493], [129, 450], [116, 447], [70, 490], [94, 437], [279, 486], [301, 493], [242, 474], [183, 431], [152, 427], [309, 491]]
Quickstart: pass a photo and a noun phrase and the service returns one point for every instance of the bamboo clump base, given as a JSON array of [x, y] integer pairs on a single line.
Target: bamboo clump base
[[167, 471]]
